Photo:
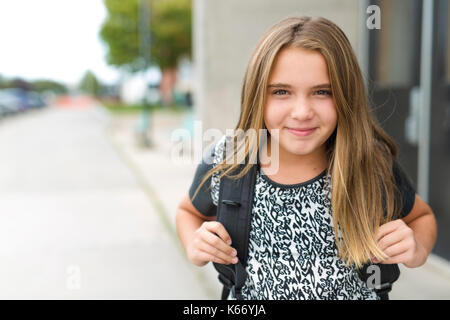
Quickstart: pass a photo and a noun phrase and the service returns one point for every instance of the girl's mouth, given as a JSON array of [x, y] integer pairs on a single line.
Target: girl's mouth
[[301, 132]]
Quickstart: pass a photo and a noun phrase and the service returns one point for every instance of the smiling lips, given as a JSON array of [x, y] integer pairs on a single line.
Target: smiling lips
[[301, 132]]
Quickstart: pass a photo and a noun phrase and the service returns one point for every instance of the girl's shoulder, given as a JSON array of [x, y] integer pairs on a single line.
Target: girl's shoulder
[[405, 188], [214, 153], [205, 198], [218, 153]]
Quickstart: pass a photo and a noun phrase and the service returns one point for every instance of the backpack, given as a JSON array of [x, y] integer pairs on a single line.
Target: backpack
[[234, 209]]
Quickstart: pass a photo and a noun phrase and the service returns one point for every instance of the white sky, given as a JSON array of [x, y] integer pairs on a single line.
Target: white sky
[[53, 39]]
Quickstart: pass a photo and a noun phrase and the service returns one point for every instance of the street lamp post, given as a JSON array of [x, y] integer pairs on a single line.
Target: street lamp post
[[144, 122]]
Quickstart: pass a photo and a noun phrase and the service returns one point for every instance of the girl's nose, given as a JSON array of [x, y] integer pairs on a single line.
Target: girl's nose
[[301, 109]]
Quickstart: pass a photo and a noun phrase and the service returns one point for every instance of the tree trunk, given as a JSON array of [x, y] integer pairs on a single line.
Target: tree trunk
[[168, 80]]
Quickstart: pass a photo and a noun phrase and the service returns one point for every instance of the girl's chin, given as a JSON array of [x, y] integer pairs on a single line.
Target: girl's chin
[[293, 146], [298, 149]]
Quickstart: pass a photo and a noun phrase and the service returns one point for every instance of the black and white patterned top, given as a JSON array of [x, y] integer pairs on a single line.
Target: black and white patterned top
[[292, 254]]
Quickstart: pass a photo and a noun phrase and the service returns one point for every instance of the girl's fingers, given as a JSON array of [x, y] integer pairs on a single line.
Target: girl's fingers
[[397, 249], [390, 239], [387, 228], [217, 243], [205, 247], [219, 229], [215, 240], [397, 259], [204, 256]]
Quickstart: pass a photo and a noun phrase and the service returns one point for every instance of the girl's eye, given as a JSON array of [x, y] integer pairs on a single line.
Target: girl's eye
[[275, 92], [324, 92]]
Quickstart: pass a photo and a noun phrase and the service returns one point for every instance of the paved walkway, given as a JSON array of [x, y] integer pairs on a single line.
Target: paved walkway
[[75, 221], [164, 181]]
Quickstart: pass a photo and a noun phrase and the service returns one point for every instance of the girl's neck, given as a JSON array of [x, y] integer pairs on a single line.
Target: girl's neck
[[294, 168]]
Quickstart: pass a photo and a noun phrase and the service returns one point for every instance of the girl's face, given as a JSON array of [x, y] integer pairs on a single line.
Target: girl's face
[[299, 102]]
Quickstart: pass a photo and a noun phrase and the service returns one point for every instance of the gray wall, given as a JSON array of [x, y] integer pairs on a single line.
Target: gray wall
[[225, 34]]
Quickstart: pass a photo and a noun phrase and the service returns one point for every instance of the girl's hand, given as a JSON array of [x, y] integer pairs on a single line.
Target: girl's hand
[[397, 241], [211, 242]]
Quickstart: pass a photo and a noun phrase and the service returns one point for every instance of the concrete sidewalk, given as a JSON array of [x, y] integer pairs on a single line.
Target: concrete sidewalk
[[166, 183], [75, 222]]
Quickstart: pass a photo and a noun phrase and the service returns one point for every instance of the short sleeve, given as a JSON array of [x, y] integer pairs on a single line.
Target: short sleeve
[[407, 192], [203, 201]]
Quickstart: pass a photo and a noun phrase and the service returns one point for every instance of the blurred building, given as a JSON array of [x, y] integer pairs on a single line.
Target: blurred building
[[406, 64], [135, 88]]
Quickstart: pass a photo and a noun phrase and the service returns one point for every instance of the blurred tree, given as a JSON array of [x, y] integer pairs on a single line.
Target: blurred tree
[[3, 82], [49, 85], [20, 83], [120, 33], [170, 27], [89, 84]]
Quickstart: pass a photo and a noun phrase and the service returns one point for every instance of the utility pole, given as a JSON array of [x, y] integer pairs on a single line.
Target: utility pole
[[143, 128]]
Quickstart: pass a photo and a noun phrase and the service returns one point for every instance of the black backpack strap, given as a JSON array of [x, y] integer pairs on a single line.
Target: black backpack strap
[[225, 293], [389, 273], [234, 212]]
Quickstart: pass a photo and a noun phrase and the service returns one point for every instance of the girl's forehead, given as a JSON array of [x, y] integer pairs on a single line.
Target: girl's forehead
[[299, 67]]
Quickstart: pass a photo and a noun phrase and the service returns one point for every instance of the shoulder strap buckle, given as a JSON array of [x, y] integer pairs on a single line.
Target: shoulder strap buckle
[[231, 203]]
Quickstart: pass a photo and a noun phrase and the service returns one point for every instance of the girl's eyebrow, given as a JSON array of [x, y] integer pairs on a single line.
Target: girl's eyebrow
[[285, 85]]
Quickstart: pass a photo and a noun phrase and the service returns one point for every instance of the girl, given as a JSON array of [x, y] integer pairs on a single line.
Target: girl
[[338, 199]]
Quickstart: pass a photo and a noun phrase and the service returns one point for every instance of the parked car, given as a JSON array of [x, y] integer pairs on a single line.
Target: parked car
[[10, 103], [34, 100], [18, 100], [4, 111]]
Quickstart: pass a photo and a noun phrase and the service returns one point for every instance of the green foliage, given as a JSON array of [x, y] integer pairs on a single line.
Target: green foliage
[[172, 28], [2, 82], [120, 33], [119, 108], [170, 32], [89, 84], [49, 85], [36, 85]]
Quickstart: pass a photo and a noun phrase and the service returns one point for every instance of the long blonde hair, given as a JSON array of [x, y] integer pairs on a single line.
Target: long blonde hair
[[360, 154]]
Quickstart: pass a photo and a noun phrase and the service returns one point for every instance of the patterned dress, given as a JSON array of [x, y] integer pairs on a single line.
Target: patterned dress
[[292, 254]]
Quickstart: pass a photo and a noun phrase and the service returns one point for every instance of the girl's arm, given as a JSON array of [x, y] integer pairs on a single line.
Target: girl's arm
[[203, 238], [423, 223], [409, 240]]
